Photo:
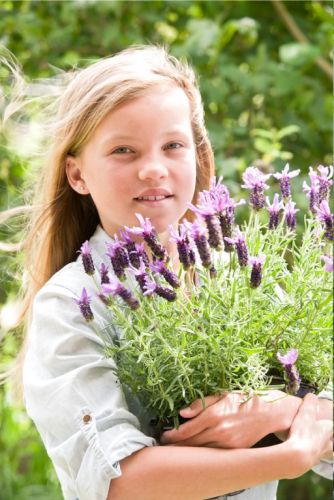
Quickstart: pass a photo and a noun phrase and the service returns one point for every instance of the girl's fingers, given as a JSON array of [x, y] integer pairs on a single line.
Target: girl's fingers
[[308, 408], [185, 431], [197, 406]]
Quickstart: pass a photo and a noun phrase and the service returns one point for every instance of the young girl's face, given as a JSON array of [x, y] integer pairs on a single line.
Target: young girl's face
[[140, 159]]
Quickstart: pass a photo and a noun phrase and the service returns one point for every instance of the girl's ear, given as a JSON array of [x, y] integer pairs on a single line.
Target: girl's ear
[[73, 172]]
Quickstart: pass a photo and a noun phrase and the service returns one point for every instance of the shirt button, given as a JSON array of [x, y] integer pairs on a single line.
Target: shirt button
[[86, 419]]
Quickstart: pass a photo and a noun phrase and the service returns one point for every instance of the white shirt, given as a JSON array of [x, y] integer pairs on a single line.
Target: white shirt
[[73, 395]]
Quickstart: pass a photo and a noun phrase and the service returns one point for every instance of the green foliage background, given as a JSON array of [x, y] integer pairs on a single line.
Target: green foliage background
[[265, 78]]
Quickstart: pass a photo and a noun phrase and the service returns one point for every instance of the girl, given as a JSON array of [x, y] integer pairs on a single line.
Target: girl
[[129, 138]]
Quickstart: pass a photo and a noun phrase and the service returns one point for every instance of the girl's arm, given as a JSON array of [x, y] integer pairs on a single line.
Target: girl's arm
[[197, 473]]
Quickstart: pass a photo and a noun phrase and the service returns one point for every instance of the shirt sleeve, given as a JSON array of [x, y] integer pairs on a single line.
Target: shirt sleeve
[[74, 397]]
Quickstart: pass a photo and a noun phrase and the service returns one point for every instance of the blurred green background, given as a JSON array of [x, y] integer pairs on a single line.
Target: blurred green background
[[265, 76]]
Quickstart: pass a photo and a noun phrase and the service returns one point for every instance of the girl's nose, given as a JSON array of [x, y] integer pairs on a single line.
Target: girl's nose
[[153, 169]]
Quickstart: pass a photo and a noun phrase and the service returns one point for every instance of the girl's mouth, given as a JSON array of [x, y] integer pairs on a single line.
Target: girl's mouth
[[153, 198]]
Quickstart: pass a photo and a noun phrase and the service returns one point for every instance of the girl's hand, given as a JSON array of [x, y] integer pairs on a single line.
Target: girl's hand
[[310, 439], [229, 421]]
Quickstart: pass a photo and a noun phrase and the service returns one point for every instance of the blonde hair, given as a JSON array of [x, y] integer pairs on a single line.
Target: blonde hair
[[62, 219]]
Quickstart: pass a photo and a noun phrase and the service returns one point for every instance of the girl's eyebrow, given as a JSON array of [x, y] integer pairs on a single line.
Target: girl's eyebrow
[[116, 137], [123, 137]]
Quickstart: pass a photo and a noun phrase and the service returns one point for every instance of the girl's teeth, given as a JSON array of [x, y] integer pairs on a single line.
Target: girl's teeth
[[152, 198]]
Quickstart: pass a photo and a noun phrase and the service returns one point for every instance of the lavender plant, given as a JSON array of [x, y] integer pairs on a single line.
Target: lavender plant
[[250, 303]]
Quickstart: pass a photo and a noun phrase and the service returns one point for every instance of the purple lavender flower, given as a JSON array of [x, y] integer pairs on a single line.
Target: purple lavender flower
[[116, 288], [131, 248], [198, 234], [182, 244], [159, 267], [84, 305], [241, 247], [325, 182], [290, 215], [140, 247], [255, 180], [140, 274], [217, 188], [324, 215], [87, 260], [207, 212], [162, 291], [104, 274], [148, 232], [119, 257], [288, 361], [328, 263], [274, 211], [312, 191], [256, 273], [284, 178], [223, 206]]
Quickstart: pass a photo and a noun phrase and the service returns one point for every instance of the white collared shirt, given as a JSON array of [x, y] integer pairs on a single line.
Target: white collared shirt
[[73, 395]]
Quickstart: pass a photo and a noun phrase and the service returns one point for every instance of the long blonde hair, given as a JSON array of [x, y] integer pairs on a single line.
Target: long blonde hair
[[61, 218]]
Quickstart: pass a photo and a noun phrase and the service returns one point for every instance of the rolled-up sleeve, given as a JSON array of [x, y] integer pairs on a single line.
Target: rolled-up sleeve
[[74, 397]]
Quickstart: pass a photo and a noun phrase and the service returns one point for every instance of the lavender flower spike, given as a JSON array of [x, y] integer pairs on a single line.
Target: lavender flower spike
[[84, 305], [198, 234], [312, 191], [284, 178], [182, 243], [256, 273], [104, 274], [328, 263], [288, 361], [324, 215], [274, 211], [87, 259], [115, 287], [118, 256], [325, 181], [162, 291], [130, 246], [148, 232], [290, 215], [159, 267], [241, 247], [140, 274], [255, 180], [208, 213]]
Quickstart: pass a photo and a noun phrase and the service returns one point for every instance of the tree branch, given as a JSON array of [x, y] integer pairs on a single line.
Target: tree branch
[[298, 34]]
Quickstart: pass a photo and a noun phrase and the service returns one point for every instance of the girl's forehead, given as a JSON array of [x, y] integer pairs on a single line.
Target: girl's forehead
[[164, 94], [169, 103]]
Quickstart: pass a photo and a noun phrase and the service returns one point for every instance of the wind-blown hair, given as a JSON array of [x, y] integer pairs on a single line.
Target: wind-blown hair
[[61, 218]]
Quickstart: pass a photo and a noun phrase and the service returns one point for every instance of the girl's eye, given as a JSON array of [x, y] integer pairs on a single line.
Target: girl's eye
[[173, 145], [122, 150]]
